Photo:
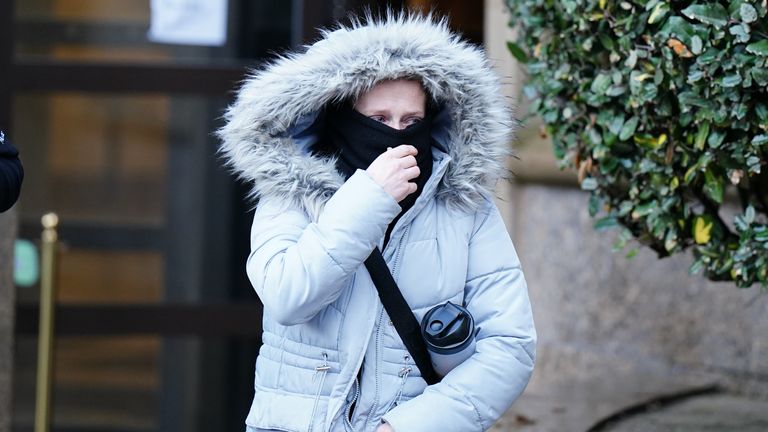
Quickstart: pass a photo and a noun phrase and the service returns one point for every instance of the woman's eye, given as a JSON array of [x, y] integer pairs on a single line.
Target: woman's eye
[[412, 121], [378, 118]]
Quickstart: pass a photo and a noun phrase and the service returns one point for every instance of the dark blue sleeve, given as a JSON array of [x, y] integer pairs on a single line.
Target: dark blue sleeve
[[11, 175]]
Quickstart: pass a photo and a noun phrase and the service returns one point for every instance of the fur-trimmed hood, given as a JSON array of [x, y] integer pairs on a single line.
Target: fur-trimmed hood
[[271, 124]]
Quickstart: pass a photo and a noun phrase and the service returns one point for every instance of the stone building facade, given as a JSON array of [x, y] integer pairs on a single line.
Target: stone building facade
[[601, 316]]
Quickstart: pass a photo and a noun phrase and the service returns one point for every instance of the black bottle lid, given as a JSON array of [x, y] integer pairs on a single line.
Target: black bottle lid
[[447, 326]]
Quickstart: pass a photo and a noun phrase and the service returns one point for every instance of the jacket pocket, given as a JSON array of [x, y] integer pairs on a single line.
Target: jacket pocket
[[304, 376]]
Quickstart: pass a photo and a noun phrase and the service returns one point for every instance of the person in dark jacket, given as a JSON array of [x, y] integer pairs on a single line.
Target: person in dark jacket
[[11, 174]]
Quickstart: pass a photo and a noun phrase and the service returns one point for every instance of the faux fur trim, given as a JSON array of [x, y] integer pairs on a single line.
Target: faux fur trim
[[346, 62]]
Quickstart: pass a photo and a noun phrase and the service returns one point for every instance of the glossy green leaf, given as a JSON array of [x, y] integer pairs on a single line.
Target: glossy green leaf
[[701, 136], [629, 128], [741, 32], [650, 141], [715, 139], [616, 124], [695, 75], [702, 229], [761, 235], [709, 13], [605, 223], [754, 164], [761, 110], [658, 13], [740, 223], [696, 45], [644, 209], [759, 48], [517, 52], [678, 27], [713, 186], [671, 240], [709, 56], [616, 90], [589, 184], [760, 75], [595, 203], [631, 60], [731, 80], [748, 13], [607, 41], [696, 268], [601, 84], [749, 214], [690, 174]]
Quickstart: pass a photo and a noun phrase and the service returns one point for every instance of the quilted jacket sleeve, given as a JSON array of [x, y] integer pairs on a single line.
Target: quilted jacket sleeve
[[477, 392], [298, 267]]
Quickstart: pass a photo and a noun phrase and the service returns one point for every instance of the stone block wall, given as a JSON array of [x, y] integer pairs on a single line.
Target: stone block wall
[[595, 307]]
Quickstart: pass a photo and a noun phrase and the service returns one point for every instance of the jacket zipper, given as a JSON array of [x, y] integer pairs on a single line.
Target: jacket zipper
[[398, 255], [348, 416], [323, 371], [376, 368], [399, 250]]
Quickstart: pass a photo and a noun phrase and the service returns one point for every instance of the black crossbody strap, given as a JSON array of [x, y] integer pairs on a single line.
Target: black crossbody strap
[[400, 313]]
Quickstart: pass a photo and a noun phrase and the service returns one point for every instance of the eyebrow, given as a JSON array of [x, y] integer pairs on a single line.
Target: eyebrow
[[407, 113], [421, 113]]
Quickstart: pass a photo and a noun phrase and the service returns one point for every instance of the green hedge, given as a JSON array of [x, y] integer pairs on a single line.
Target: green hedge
[[662, 108]]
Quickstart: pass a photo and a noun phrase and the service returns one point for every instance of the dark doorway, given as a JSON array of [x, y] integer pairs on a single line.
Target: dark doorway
[[157, 326]]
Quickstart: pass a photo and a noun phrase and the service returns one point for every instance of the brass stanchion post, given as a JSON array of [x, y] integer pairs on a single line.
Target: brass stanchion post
[[45, 332]]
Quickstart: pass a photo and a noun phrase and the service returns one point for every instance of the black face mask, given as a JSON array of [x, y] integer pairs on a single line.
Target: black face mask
[[358, 140]]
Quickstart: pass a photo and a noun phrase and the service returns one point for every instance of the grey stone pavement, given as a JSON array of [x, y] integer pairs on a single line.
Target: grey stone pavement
[[623, 398], [712, 412]]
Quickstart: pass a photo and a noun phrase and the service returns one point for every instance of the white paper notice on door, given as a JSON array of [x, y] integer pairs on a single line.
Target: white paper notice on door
[[189, 22]]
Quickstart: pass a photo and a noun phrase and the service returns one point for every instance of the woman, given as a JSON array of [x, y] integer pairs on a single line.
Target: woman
[[387, 134]]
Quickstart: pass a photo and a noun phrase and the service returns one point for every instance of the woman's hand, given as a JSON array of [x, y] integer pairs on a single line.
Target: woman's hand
[[394, 169], [385, 427]]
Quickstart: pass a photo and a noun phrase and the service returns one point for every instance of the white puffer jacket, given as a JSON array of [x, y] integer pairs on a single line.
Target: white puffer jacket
[[323, 321]]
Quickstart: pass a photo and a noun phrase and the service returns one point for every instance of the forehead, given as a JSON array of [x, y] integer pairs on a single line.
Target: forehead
[[399, 94]]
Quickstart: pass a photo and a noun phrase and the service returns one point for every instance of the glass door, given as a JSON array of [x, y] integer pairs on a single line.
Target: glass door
[[157, 327]]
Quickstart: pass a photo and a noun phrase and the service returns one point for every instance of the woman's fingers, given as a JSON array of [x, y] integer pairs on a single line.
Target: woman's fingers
[[394, 169], [402, 151], [407, 162], [411, 173]]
